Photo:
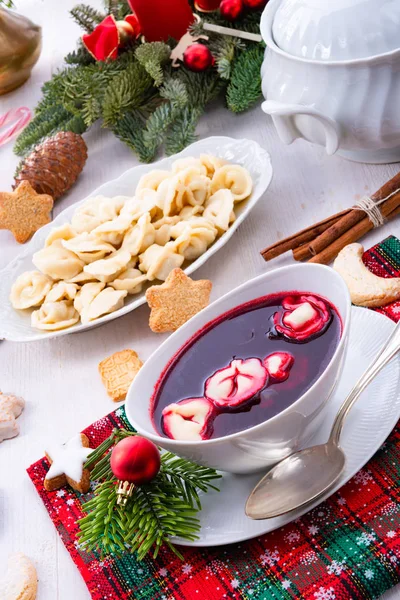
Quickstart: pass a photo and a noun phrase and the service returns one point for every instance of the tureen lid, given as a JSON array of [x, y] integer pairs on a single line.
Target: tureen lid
[[336, 29]]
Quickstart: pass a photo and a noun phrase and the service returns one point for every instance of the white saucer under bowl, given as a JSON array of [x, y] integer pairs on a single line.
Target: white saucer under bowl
[[223, 520]]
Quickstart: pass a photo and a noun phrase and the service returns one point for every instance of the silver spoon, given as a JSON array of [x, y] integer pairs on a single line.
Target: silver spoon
[[304, 476]]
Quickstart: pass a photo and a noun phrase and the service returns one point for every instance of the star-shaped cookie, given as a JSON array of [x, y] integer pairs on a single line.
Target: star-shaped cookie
[[67, 462], [176, 301], [23, 211]]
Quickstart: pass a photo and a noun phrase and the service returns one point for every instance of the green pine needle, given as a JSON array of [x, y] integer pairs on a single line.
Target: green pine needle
[[86, 17], [153, 56], [245, 84], [126, 91], [158, 511], [139, 96], [183, 131], [130, 129]]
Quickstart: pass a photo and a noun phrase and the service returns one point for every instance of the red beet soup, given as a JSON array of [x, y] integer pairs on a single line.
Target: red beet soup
[[246, 366]]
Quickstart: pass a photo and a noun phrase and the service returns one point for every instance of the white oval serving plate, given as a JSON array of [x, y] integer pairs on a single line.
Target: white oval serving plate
[[222, 518], [15, 325]]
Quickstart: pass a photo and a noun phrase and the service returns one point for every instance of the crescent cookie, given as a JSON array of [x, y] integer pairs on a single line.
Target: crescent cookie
[[366, 289]]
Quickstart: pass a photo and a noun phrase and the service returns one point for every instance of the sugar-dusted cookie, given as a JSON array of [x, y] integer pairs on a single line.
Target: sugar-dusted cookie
[[10, 408], [24, 211], [118, 371], [176, 301], [20, 579], [67, 462]]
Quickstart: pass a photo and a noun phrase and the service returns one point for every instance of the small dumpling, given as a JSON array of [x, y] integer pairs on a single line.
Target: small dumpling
[[64, 232], [131, 280], [30, 289], [194, 241], [190, 161], [109, 268], [81, 278], [57, 262], [170, 195], [162, 235], [107, 301], [211, 163], [197, 187], [62, 291], [218, 209], [112, 232], [234, 178], [152, 180], [146, 201], [140, 236], [166, 221], [188, 212], [87, 294], [87, 247], [158, 261], [96, 211], [54, 315], [86, 217]]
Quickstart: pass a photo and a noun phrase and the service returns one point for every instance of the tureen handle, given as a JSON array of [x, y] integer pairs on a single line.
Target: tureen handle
[[288, 128]]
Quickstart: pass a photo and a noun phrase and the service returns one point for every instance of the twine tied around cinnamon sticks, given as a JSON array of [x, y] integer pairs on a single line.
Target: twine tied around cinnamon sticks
[[322, 242]]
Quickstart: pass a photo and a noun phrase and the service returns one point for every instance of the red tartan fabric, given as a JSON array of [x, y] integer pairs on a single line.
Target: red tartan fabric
[[348, 548]]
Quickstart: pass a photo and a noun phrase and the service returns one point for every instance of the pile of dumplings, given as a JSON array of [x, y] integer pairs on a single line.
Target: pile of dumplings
[[113, 246]]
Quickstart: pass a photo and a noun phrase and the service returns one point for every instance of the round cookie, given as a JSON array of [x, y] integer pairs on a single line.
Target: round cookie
[[20, 580]]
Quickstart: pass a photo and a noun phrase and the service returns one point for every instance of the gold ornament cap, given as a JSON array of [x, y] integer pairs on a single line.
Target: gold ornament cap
[[124, 492]]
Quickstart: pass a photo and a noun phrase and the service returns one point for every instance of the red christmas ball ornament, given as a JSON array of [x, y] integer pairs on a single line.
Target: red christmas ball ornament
[[198, 57], [255, 4], [231, 9], [134, 460]]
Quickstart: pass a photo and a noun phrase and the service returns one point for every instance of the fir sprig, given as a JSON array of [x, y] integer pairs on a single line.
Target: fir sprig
[[163, 509], [139, 96], [86, 17]]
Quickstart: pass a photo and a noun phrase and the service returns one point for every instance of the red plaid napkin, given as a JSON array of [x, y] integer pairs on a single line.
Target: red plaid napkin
[[348, 548]]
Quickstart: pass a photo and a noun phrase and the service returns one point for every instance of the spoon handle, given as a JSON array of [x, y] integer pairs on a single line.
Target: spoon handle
[[387, 352]]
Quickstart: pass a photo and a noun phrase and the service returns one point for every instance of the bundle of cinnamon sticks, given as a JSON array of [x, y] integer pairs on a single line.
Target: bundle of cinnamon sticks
[[322, 242]]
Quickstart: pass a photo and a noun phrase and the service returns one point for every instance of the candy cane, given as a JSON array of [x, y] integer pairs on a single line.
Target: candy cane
[[17, 119]]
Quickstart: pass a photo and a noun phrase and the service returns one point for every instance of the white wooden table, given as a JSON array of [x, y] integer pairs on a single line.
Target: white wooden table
[[59, 378]]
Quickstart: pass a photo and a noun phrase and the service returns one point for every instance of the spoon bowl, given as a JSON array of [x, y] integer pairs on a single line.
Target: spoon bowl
[[297, 480]]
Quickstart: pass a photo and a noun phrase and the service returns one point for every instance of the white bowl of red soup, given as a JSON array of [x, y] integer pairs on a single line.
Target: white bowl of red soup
[[247, 381]]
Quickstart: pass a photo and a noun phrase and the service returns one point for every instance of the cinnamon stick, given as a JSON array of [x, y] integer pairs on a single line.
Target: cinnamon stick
[[302, 252], [353, 217], [390, 209], [302, 237]]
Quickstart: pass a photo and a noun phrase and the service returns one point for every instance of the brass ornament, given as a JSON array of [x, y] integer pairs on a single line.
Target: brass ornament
[[20, 46]]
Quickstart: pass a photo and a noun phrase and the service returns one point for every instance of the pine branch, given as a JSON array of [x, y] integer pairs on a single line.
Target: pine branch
[[86, 17], [201, 87], [126, 91], [156, 512], [245, 84], [152, 56], [130, 130], [182, 131], [45, 124], [80, 56]]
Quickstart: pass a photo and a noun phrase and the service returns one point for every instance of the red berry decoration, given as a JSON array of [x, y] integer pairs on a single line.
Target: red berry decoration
[[198, 57], [255, 4], [134, 460], [231, 9]]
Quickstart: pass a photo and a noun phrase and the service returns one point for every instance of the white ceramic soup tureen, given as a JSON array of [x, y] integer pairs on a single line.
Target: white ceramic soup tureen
[[331, 75]]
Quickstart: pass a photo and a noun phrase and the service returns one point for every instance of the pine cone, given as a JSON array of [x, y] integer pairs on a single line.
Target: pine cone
[[53, 167]]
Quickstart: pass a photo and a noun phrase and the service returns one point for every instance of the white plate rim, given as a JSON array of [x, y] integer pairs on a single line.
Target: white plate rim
[[205, 145], [294, 515]]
